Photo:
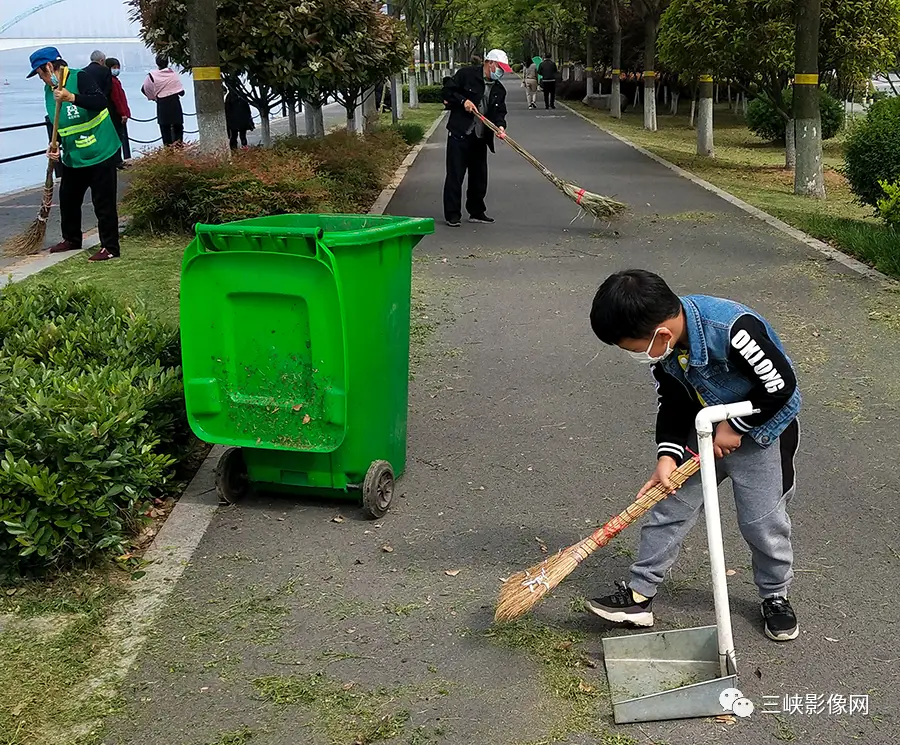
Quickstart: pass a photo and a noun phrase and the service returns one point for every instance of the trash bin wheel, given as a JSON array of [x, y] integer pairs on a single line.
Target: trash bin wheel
[[378, 489], [232, 483]]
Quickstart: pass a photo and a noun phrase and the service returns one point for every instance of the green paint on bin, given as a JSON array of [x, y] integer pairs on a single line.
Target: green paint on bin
[[295, 343]]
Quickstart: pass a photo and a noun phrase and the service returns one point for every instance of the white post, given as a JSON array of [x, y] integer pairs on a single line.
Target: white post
[[705, 420]]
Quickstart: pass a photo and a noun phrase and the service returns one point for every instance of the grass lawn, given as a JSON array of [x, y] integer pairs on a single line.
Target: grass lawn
[[52, 642], [754, 171], [424, 115]]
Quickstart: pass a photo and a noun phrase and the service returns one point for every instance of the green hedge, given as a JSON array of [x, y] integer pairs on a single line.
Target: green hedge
[[765, 122], [872, 153], [92, 422], [173, 189], [427, 93]]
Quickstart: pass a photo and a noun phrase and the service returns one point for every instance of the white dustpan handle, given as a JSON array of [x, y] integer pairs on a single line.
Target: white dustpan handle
[[705, 422]]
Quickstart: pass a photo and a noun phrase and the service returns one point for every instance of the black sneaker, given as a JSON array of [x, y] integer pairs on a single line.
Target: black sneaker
[[483, 219], [621, 607], [781, 623], [453, 223]]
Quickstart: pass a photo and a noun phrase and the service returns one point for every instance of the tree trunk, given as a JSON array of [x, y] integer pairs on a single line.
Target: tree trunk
[[421, 66], [589, 63], [616, 100], [315, 123], [413, 91], [396, 98], [809, 179], [265, 131], [204, 50], [729, 96], [693, 109], [705, 121], [790, 146], [649, 72], [291, 100], [369, 110], [675, 97]]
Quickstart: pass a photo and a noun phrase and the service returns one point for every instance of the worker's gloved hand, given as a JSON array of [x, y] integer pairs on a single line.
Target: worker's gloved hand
[[470, 107], [53, 154], [66, 96]]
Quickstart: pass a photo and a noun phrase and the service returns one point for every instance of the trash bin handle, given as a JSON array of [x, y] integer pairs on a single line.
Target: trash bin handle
[[257, 230]]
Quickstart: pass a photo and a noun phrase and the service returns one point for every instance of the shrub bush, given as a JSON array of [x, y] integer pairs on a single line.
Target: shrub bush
[[889, 205], [427, 93], [172, 190], [768, 124], [92, 422], [411, 132], [872, 153], [357, 168]]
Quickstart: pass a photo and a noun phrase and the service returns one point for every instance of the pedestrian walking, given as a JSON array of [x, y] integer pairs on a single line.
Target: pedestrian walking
[[473, 89], [118, 108], [704, 351], [90, 151], [548, 71], [164, 86], [530, 82], [238, 118]]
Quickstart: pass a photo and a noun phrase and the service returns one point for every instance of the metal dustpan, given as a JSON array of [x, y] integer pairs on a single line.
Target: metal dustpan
[[681, 674]]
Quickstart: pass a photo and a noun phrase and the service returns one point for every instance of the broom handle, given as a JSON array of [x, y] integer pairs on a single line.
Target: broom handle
[[516, 146], [636, 509], [53, 145]]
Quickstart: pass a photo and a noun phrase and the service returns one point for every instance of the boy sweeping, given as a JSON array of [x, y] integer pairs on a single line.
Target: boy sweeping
[[705, 351]]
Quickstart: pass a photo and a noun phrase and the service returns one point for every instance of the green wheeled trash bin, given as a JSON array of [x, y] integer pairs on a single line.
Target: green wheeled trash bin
[[295, 349]]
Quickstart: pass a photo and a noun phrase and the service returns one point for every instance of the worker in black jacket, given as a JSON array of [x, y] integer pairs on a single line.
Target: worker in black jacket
[[475, 89]]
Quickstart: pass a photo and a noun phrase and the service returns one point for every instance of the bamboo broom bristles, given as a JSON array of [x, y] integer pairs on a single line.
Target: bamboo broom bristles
[[524, 590]]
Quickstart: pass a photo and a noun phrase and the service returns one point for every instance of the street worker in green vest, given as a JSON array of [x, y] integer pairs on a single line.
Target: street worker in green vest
[[90, 151]]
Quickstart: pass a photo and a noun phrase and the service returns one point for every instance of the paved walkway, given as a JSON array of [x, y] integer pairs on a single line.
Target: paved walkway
[[524, 433], [17, 210]]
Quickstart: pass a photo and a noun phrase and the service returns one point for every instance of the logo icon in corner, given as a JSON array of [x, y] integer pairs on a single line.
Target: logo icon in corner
[[734, 702]]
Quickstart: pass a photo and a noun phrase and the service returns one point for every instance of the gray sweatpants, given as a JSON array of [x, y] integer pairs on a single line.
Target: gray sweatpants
[[764, 482]]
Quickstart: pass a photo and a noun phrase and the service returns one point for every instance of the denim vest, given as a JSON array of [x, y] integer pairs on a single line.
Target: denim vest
[[709, 373]]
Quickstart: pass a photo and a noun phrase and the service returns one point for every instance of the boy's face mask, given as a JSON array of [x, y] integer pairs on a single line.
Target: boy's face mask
[[115, 72], [645, 356]]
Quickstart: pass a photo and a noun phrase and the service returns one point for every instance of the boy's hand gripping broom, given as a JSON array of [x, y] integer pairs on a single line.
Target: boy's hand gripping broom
[[598, 205], [32, 240], [524, 590]]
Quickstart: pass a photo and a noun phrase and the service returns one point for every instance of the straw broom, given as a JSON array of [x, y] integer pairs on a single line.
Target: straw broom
[[32, 240], [524, 590], [598, 205]]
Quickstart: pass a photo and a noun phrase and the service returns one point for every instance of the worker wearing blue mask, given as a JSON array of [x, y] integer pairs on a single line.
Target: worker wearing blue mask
[[472, 91]]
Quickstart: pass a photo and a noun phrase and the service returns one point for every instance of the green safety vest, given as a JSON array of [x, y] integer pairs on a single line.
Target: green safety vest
[[86, 137]]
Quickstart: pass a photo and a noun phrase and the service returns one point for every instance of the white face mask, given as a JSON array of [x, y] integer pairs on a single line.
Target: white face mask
[[645, 357]]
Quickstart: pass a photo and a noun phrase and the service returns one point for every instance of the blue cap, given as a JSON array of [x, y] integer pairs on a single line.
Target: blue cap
[[42, 57]]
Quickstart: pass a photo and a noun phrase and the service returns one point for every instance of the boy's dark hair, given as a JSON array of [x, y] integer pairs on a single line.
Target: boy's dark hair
[[112, 62], [631, 305], [162, 62]]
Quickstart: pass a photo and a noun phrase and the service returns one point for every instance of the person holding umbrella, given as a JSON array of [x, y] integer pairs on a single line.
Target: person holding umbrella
[[90, 151]]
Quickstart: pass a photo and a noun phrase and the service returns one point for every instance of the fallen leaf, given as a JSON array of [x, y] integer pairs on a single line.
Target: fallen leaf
[[387, 549], [347, 686], [19, 708], [726, 719], [297, 407], [337, 519], [138, 575], [452, 572], [205, 688], [306, 418], [730, 572], [281, 519], [829, 639], [758, 673], [585, 688]]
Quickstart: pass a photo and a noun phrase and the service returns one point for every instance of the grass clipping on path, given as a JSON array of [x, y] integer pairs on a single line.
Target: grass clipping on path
[[343, 712]]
